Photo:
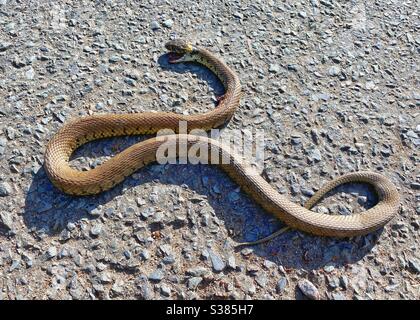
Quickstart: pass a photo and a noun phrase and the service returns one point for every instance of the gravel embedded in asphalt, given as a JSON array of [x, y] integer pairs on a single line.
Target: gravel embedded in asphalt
[[333, 86]]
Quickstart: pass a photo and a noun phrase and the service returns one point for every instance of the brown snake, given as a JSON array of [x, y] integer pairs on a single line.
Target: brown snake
[[105, 176]]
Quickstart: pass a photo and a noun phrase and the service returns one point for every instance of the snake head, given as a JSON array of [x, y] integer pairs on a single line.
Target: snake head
[[180, 51]]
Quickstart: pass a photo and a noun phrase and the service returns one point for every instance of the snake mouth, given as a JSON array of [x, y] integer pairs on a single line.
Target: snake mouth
[[175, 57]]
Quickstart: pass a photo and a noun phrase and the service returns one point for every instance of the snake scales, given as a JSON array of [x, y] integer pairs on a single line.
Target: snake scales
[[105, 176]]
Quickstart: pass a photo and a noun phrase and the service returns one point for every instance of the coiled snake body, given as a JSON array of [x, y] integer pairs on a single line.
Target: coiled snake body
[[105, 176]]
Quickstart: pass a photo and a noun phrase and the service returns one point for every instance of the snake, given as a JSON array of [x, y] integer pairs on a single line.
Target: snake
[[113, 171]]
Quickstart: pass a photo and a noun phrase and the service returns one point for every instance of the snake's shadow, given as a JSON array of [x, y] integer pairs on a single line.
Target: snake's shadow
[[48, 211]]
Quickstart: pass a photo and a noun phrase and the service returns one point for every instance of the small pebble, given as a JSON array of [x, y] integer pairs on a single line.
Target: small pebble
[[281, 285], [5, 189], [154, 25], [308, 289], [165, 290], [168, 23], [96, 230], [51, 252], [157, 275], [334, 71], [193, 282], [274, 68], [217, 262]]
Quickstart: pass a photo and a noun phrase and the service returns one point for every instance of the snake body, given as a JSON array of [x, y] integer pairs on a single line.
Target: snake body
[[105, 176]]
